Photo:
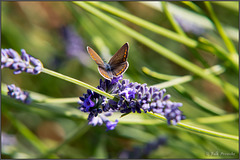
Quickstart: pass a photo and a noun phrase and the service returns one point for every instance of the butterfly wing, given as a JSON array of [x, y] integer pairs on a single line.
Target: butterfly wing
[[119, 57], [95, 57], [120, 69], [104, 73]]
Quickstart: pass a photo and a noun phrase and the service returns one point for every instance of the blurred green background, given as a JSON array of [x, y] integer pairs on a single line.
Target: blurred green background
[[57, 33]]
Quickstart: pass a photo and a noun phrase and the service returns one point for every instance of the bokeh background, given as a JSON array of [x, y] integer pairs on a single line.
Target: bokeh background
[[57, 33]]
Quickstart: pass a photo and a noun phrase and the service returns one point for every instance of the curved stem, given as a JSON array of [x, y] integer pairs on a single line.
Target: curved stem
[[75, 81], [198, 130]]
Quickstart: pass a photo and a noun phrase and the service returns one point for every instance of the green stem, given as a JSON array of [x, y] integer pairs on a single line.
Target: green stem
[[158, 48], [196, 100], [197, 129], [177, 28], [193, 6], [176, 80], [75, 81], [217, 119], [59, 100], [220, 29]]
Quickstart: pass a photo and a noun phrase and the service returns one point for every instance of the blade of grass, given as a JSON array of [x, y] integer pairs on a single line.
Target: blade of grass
[[193, 6], [216, 70], [232, 5], [217, 119], [158, 48], [176, 27], [193, 17], [220, 29], [179, 30], [195, 99]]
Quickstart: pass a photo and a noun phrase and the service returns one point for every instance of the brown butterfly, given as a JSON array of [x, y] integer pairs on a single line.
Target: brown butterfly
[[116, 66]]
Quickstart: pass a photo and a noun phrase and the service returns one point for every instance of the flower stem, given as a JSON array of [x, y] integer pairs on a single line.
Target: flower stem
[[75, 81], [199, 130]]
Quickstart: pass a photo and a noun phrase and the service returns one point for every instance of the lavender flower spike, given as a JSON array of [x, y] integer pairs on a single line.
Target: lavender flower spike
[[17, 93], [24, 63], [132, 97]]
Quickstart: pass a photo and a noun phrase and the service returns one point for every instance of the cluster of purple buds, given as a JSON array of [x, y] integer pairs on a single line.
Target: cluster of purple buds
[[24, 63], [144, 151], [17, 93], [131, 97]]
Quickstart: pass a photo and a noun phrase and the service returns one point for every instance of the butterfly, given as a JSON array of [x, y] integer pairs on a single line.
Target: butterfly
[[116, 66]]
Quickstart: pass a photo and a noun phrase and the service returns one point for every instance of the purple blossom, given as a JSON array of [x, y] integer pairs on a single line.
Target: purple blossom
[[17, 93], [88, 103], [111, 125], [116, 79], [131, 97], [24, 63]]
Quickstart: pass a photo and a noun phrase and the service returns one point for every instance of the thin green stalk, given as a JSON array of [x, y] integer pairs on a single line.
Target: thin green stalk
[[59, 100], [158, 75], [200, 102], [216, 70], [220, 29], [193, 6], [177, 28], [217, 119], [173, 82], [198, 130], [158, 48], [196, 100], [176, 80], [75, 81], [202, 120], [27, 133], [213, 48], [143, 23]]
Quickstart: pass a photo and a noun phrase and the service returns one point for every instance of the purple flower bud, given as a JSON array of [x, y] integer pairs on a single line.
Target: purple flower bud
[[166, 97], [17, 93], [96, 121], [88, 103], [116, 79], [11, 59], [111, 125]]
